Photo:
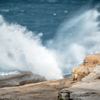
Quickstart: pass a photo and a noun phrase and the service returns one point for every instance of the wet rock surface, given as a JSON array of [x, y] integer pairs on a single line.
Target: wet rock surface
[[47, 90], [20, 79]]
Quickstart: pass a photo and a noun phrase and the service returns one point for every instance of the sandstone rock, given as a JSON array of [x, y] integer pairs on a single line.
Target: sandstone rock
[[86, 67], [83, 90], [47, 90], [95, 74], [21, 79], [89, 98], [90, 85], [92, 60], [79, 94]]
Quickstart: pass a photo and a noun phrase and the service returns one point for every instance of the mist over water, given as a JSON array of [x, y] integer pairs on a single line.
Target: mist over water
[[45, 53], [21, 50], [76, 38]]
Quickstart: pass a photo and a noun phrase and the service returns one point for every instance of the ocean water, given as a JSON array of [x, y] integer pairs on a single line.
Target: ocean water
[[47, 37]]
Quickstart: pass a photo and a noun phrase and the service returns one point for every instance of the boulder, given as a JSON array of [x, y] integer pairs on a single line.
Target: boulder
[[86, 67]]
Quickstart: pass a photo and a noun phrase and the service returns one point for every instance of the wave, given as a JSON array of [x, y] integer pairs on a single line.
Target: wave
[[4, 10], [9, 73], [76, 38], [22, 50]]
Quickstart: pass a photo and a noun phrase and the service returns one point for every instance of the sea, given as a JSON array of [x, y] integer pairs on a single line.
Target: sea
[[47, 37]]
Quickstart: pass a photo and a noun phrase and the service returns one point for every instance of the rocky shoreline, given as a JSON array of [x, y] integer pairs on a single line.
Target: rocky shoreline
[[88, 76], [21, 79], [84, 84], [47, 90]]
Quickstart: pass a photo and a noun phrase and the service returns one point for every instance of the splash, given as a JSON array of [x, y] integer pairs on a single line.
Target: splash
[[76, 38], [21, 50], [9, 73]]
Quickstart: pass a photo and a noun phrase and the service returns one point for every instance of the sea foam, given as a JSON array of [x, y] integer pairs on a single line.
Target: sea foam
[[76, 37], [22, 50]]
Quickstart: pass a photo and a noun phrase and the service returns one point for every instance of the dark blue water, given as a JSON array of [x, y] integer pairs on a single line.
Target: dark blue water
[[40, 15], [70, 31]]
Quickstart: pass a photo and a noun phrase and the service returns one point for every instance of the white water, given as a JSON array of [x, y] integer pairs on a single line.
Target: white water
[[21, 50], [9, 73], [76, 38]]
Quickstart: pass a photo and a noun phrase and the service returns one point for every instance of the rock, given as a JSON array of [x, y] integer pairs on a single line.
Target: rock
[[21, 79], [86, 67], [67, 76], [35, 80], [79, 94], [92, 60], [82, 91], [95, 74], [89, 86], [47, 90], [89, 98]]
